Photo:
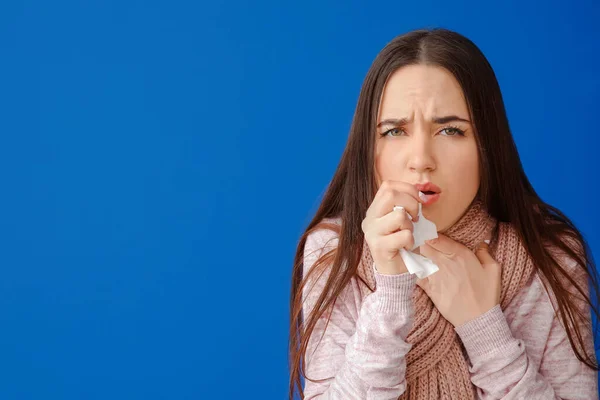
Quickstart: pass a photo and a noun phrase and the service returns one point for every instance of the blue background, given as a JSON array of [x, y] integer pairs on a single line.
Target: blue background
[[161, 159]]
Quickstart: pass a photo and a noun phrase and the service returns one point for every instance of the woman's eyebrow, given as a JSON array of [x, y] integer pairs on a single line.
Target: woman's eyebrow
[[437, 120], [449, 118]]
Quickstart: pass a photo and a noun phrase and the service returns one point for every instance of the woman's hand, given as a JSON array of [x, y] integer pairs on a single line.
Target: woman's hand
[[466, 285], [387, 231]]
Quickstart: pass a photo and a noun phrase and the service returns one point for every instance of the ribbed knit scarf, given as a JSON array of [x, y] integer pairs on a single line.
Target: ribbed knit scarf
[[437, 366]]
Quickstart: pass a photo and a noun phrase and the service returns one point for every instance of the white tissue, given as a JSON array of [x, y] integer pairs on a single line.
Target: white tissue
[[417, 264], [423, 230]]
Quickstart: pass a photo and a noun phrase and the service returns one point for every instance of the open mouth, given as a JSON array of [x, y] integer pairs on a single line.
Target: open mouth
[[430, 192], [430, 197]]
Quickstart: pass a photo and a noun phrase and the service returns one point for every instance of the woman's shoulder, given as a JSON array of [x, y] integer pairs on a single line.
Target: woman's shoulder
[[324, 236], [537, 297], [337, 221], [570, 266]]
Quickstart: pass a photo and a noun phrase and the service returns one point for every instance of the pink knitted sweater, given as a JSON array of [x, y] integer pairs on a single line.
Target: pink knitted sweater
[[521, 352]]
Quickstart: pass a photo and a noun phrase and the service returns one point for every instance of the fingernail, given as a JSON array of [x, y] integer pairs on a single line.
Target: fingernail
[[487, 241], [403, 209], [421, 195]]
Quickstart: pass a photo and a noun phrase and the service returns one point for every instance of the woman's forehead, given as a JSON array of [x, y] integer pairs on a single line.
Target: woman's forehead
[[430, 90]]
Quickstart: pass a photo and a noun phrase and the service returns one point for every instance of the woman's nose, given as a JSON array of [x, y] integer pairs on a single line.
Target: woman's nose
[[420, 157]]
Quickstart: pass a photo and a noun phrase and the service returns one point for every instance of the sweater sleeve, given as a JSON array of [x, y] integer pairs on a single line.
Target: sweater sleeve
[[360, 352], [500, 365]]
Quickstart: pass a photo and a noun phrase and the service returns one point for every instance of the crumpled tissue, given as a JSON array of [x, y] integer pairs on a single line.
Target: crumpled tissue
[[424, 229]]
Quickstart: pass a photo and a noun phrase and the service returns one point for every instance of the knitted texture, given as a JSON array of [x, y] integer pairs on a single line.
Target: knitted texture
[[437, 365]]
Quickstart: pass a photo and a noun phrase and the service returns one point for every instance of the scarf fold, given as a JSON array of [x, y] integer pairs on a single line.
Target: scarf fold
[[437, 364]]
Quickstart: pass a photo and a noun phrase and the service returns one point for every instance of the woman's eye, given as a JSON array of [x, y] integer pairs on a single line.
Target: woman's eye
[[455, 131], [390, 130]]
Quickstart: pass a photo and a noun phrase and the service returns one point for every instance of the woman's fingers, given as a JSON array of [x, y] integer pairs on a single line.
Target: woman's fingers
[[392, 193], [398, 240], [395, 221], [483, 254]]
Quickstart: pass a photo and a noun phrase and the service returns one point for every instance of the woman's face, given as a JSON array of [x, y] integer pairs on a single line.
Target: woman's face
[[422, 149]]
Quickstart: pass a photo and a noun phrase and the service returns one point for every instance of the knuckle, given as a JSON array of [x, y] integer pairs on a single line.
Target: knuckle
[[384, 187], [407, 238], [387, 196], [363, 225], [399, 216], [415, 208], [411, 240]]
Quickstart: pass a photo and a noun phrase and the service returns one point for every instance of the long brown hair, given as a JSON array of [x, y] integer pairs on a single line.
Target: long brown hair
[[504, 189]]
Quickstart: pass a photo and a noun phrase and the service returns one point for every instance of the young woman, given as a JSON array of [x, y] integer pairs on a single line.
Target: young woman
[[508, 320]]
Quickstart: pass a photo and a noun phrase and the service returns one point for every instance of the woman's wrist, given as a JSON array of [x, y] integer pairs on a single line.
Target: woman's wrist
[[485, 334], [395, 291]]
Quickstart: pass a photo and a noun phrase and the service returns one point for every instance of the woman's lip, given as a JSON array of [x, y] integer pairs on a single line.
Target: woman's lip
[[429, 199], [428, 187]]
